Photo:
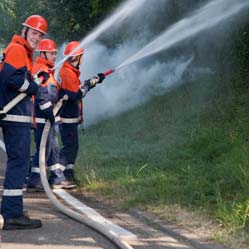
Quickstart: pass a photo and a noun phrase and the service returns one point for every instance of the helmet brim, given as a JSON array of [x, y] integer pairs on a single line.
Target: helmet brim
[[25, 25]]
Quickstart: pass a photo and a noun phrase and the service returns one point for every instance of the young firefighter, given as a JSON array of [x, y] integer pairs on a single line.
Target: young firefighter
[[44, 103], [70, 112], [15, 79]]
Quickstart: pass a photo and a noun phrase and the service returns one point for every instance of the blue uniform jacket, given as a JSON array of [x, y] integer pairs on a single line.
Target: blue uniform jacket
[[70, 85], [15, 78], [47, 94]]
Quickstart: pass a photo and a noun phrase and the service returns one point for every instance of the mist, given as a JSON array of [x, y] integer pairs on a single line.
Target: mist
[[129, 87], [139, 82]]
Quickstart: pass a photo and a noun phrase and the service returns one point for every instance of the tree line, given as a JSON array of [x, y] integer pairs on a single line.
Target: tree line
[[74, 19], [68, 19]]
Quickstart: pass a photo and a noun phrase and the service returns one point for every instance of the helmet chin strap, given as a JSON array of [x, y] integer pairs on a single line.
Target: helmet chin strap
[[78, 64], [45, 55]]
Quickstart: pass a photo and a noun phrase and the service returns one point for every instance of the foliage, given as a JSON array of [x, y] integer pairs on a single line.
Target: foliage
[[72, 20], [68, 20], [181, 148], [7, 15]]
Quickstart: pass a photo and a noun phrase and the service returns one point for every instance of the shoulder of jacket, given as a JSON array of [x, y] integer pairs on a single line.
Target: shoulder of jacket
[[16, 46], [38, 67]]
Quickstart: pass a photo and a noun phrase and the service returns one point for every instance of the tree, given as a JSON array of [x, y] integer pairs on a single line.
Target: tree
[[68, 20], [7, 16]]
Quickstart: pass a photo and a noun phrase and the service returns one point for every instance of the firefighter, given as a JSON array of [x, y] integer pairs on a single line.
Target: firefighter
[[43, 110], [69, 79], [15, 79]]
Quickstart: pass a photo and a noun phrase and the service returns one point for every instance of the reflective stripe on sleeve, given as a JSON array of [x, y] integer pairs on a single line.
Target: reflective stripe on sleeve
[[43, 120], [24, 86], [12, 192], [70, 120], [18, 118], [40, 120], [46, 105]]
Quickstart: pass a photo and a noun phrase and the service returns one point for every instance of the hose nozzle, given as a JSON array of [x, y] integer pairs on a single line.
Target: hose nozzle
[[109, 72]]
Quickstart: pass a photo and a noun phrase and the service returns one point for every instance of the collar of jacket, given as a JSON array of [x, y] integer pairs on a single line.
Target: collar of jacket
[[20, 40], [72, 68], [45, 66], [45, 62]]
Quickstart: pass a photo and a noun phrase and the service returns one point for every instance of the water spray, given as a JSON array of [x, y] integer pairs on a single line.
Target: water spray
[[206, 17], [121, 14], [117, 17]]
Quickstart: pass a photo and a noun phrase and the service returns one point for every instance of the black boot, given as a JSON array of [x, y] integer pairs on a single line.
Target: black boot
[[63, 185], [35, 189], [22, 222]]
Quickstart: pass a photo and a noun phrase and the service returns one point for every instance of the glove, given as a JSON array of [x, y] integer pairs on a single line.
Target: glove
[[41, 77], [83, 91], [101, 77], [96, 80], [93, 81]]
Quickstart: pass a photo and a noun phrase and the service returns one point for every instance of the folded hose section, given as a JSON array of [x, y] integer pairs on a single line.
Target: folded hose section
[[64, 209]]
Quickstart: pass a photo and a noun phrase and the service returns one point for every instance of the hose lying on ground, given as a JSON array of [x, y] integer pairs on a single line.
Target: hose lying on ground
[[67, 211]]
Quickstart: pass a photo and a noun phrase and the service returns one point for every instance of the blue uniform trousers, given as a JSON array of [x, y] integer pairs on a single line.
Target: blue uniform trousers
[[17, 142], [52, 158], [69, 150]]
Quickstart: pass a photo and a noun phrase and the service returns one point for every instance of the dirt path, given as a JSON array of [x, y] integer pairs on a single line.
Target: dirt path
[[59, 231]]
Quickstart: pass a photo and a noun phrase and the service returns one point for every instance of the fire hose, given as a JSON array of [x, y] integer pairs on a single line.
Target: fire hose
[[67, 211]]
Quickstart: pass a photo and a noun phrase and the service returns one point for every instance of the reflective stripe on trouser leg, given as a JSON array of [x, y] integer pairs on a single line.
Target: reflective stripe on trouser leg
[[17, 142], [52, 157], [34, 178], [69, 151], [35, 169], [69, 138], [56, 174], [70, 166], [69, 172], [54, 166]]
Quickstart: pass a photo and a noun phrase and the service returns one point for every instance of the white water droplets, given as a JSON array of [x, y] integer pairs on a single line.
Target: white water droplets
[[206, 17]]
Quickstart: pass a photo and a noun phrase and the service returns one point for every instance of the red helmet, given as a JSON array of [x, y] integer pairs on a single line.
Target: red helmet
[[36, 22], [47, 45], [71, 46]]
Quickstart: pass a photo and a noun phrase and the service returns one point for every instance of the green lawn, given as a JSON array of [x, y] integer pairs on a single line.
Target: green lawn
[[188, 147]]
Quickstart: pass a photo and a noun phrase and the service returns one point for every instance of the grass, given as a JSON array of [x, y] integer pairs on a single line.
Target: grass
[[188, 147]]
